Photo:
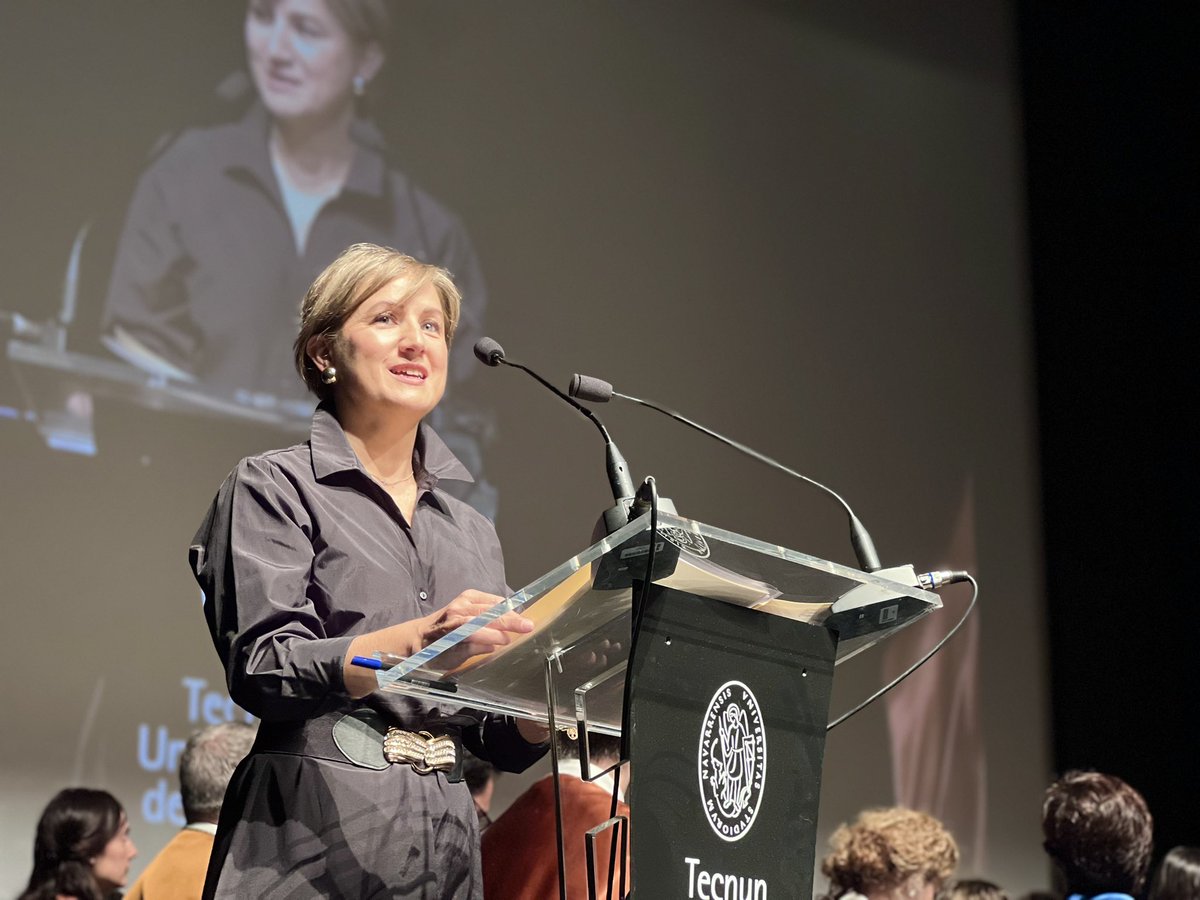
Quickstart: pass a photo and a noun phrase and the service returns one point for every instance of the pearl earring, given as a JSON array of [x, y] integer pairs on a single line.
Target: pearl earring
[[329, 375]]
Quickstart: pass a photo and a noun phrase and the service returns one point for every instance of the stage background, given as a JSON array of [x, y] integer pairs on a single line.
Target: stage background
[[802, 226], [1109, 93]]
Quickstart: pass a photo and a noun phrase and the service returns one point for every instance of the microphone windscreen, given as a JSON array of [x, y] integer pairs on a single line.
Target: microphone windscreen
[[488, 351], [593, 390]]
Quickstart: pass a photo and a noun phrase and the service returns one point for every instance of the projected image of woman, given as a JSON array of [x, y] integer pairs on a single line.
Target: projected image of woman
[[347, 545], [229, 224]]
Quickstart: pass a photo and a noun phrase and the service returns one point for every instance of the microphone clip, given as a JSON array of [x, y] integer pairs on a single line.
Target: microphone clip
[[629, 508]]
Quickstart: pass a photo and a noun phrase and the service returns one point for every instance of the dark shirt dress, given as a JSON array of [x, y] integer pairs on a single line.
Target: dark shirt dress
[[300, 551]]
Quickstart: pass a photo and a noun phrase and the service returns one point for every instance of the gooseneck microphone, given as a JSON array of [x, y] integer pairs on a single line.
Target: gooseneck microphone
[[490, 353], [595, 390]]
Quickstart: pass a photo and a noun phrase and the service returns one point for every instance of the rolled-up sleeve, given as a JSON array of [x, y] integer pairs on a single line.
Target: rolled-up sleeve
[[253, 558]]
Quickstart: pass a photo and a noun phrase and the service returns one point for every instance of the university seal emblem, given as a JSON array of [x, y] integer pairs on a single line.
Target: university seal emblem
[[732, 760], [687, 541]]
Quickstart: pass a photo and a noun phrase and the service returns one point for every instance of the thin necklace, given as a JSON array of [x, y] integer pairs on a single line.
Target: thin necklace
[[409, 477]]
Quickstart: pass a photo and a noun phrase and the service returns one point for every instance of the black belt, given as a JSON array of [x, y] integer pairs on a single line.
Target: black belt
[[363, 737]]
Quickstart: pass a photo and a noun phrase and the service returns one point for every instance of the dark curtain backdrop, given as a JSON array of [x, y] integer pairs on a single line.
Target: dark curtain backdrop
[[1110, 93]]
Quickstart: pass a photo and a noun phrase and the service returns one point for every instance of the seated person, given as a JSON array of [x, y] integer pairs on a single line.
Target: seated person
[[82, 850], [889, 854], [207, 763], [520, 853], [480, 776], [1178, 876], [1099, 833], [974, 889]]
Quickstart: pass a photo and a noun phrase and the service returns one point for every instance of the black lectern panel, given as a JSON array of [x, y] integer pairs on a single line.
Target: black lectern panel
[[728, 717]]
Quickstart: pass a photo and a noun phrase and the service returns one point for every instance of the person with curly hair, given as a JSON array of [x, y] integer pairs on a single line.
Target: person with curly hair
[[1099, 832], [82, 850], [889, 854], [1178, 876]]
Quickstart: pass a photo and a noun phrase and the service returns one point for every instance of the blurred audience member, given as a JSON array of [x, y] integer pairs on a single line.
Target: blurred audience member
[[1099, 833], [480, 777], [973, 889], [208, 761], [82, 850], [520, 849], [890, 854], [1178, 876]]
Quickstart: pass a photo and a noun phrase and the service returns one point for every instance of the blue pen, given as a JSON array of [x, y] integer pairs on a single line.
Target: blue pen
[[369, 662]]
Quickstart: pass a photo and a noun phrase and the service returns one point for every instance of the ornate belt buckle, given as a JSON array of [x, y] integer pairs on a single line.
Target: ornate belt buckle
[[422, 750], [422, 765]]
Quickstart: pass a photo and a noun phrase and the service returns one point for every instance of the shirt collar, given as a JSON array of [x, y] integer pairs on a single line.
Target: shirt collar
[[206, 827], [332, 453], [249, 153]]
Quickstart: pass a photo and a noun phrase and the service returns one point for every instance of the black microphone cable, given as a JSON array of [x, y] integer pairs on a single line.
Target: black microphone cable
[[647, 495], [929, 580]]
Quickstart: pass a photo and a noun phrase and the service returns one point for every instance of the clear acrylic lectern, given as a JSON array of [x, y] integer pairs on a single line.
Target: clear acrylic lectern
[[728, 688]]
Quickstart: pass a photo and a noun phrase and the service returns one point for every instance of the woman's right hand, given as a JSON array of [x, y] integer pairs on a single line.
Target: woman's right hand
[[407, 638], [462, 609]]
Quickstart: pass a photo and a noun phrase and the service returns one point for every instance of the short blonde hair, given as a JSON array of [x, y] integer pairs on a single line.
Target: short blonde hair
[[360, 271], [883, 848]]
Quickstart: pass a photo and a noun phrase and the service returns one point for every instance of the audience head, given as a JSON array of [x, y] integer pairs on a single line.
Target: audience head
[[207, 764], [82, 848], [602, 748], [974, 889], [1178, 877], [1099, 832], [480, 777], [893, 853]]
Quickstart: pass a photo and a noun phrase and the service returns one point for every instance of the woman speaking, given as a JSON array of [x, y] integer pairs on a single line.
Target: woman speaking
[[347, 545]]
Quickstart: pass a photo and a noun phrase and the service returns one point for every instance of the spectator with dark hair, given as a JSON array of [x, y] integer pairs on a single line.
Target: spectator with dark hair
[[973, 889], [890, 853], [480, 776], [207, 763], [1099, 833], [82, 850], [520, 852], [1178, 876]]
